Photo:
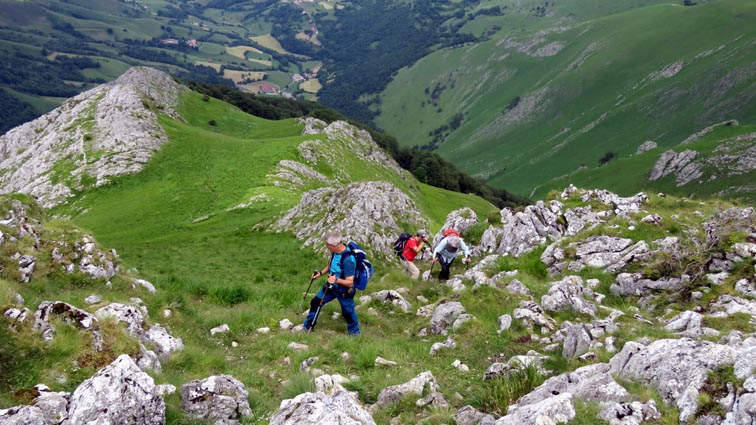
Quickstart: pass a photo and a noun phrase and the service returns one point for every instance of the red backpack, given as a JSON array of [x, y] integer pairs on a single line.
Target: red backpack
[[450, 231]]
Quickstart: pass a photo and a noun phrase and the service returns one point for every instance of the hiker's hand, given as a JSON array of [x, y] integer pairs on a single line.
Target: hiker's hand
[[434, 259], [467, 260], [332, 279], [316, 274]]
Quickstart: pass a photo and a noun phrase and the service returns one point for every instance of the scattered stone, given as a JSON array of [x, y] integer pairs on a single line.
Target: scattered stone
[[215, 398], [449, 343], [298, 347], [416, 386], [380, 361], [93, 299]]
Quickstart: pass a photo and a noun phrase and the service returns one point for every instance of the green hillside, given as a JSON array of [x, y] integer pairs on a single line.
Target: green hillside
[[630, 175], [657, 73]]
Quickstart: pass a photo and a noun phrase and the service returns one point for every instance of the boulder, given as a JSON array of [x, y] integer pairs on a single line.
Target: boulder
[[444, 317], [677, 368], [394, 298], [553, 410], [119, 393], [215, 398], [337, 406], [70, 315], [416, 386], [569, 294]]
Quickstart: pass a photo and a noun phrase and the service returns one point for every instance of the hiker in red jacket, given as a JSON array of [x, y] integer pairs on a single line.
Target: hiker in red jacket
[[413, 247]]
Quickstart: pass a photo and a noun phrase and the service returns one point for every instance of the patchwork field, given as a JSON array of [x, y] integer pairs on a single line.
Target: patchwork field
[[239, 77], [241, 51], [311, 86]]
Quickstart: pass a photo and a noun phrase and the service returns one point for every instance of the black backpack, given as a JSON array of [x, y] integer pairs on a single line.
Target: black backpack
[[400, 242]]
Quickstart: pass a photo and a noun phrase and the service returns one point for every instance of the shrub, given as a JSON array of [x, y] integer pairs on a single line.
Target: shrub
[[212, 123]]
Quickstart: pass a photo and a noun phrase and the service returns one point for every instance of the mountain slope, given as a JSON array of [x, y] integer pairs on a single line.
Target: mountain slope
[[586, 306], [541, 104]]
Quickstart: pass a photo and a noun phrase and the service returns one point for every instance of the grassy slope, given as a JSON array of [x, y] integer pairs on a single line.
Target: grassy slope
[[610, 80], [202, 172], [629, 175]]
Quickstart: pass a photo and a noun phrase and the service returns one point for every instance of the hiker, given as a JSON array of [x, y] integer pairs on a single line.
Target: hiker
[[413, 247], [340, 285], [446, 251]]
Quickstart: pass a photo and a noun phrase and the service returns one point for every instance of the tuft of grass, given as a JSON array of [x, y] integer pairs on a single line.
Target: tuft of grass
[[299, 383], [496, 395]]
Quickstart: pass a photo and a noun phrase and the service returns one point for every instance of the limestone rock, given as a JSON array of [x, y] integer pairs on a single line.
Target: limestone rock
[[69, 314], [416, 386], [677, 368], [335, 407], [119, 393], [444, 317], [366, 212], [118, 132], [215, 398], [469, 416], [557, 409], [569, 294], [392, 297]]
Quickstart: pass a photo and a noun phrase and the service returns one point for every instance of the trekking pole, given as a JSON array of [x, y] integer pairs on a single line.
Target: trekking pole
[[430, 273], [317, 312], [312, 279]]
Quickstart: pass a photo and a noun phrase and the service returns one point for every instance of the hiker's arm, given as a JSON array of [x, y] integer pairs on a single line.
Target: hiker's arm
[[346, 282], [320, 273], [419, 246]]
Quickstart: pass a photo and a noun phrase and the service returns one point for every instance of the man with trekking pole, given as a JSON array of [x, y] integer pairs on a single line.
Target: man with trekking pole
[[340, 285], [445, 253]]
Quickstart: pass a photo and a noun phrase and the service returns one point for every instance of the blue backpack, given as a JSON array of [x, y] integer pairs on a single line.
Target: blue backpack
[[364, 269]]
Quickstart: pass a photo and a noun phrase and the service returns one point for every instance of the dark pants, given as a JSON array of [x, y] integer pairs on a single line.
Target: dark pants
[[346, 300], [445, 267]]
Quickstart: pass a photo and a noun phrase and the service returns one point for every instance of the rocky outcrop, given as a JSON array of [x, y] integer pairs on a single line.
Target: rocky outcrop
[[681, 164], [646, 146], [677, 368], [217, 398], [369, 213], [119, 393], [107, 131]]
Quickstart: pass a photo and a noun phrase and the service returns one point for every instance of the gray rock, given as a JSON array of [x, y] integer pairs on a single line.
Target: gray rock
[[557, 409], [70, 315], [577, 342], [531, 314], [367, 212], [130, 315], [569, 294], [416, 386], [164, 342], [448, 344], [469, 416], [646, 146], [460, 220], [505, 322], [215, 398], [444, 316], [336, 407], [394, 298], [119, 393], [23, 415], [676, 368], [630, 413], [530, 228], [635, 284]]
